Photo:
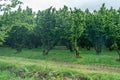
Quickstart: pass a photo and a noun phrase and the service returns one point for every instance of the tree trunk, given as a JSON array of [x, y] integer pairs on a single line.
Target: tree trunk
[[77, 53], [88, 48], [69, 46], [19, 50], [76, 48], [110, 49], [45, 52], [98, 48], [118, 54]]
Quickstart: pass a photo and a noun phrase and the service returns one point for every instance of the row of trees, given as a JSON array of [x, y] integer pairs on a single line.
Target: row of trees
[[72, 28]]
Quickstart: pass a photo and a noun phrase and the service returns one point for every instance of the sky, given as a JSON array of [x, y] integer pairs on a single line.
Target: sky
[[83, 4]]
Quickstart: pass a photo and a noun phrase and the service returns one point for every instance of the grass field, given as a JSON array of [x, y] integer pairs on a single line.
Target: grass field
[[59, 64], [88, 57]]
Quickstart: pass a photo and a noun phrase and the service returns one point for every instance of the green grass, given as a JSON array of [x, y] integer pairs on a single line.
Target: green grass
[[63, 55], [10, 69], [32, 62]]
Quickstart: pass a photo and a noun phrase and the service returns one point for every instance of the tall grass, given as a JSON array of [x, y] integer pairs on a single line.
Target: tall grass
[[30, 72]]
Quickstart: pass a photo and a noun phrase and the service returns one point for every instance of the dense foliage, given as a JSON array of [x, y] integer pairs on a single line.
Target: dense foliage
[[72, 28]]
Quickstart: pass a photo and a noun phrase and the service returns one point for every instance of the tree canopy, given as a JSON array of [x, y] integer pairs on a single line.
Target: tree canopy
[[73, 28]]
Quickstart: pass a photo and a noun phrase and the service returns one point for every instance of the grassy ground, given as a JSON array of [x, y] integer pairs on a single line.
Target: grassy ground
[[29, 69], [58, 65], [63, 55]]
